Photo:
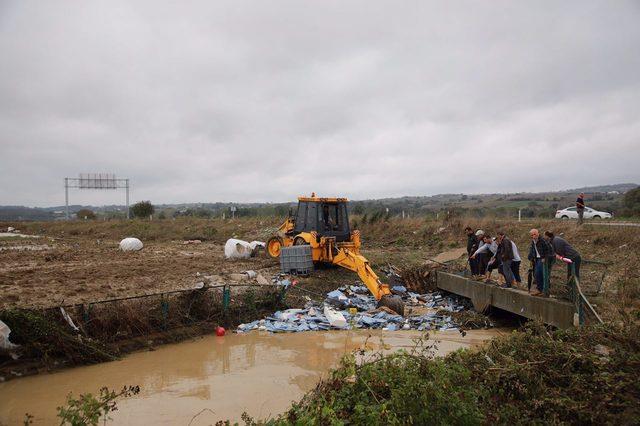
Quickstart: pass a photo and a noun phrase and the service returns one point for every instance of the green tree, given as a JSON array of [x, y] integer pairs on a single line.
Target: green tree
[[631, 201], [85, 214], [142, 209]]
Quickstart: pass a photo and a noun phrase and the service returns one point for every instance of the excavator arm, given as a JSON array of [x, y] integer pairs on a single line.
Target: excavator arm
[[360, 265]]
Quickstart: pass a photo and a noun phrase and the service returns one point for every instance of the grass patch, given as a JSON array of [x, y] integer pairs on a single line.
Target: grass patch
[[584, 376]]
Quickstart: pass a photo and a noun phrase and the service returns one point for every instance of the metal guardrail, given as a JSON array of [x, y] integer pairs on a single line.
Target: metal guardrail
[[581, 303]]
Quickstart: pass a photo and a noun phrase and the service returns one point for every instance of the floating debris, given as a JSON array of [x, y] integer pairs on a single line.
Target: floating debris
[[337, 312]]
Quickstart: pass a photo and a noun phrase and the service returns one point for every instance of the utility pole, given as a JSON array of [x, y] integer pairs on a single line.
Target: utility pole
[[66, 197], [126, 183]]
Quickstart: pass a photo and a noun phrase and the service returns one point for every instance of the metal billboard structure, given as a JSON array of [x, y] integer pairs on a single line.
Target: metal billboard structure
[[95, 181]]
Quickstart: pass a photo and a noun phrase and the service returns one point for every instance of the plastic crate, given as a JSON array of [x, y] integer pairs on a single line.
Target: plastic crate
[[296, 260]]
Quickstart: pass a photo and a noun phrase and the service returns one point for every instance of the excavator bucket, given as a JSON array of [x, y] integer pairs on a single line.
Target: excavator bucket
[[394, 303]]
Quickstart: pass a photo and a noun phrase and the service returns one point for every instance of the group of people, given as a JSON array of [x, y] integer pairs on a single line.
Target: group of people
[[487, 254]]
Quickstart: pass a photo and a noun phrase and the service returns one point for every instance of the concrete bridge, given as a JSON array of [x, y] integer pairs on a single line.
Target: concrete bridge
[[556, 312]]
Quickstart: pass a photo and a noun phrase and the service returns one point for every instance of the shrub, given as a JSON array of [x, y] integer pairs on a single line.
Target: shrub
[[142, 209], [85, 214]]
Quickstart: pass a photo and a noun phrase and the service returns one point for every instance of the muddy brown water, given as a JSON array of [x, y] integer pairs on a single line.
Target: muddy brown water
[[218, 377]]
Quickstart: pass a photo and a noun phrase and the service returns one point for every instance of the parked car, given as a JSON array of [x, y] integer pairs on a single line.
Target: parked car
[[589, 213]]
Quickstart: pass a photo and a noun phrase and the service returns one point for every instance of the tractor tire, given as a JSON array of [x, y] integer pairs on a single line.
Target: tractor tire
[[392, 302], [274, 246]]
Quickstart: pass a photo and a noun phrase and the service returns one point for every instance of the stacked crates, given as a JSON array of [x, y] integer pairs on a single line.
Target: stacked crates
[[296, 260]]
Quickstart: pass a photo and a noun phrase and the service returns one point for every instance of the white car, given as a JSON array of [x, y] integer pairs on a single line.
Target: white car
[[589, 213]]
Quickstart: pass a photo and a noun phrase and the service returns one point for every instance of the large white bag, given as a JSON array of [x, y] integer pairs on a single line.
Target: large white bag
[[4, 337], [130, 244], [238, 249]]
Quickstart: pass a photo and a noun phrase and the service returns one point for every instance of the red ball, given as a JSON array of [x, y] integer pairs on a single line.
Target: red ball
[[220, 331]]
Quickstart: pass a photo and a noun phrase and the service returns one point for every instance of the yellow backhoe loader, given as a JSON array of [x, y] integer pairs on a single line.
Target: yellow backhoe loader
[[323, 223]]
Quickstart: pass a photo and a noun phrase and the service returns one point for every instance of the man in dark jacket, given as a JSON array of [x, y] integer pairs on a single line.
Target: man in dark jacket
[[505, 253], [563, 249], [472, 246], [580, 207], [540, 253]]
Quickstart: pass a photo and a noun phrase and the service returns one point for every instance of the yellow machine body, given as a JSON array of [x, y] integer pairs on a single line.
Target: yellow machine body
[[326, 230]]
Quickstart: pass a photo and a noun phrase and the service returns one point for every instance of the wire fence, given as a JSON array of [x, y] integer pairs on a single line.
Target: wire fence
[[126, 317]]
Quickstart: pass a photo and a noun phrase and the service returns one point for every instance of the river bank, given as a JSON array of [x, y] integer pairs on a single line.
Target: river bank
[[257, 372]]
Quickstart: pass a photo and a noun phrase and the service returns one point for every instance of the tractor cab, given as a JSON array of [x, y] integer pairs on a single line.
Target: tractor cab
[[328, 217]]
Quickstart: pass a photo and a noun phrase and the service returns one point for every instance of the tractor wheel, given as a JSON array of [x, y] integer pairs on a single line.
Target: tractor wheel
[[299, 241], [392, 302], [274, 246]]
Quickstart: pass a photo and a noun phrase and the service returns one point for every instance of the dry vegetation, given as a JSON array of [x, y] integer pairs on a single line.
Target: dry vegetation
[[79, 261]]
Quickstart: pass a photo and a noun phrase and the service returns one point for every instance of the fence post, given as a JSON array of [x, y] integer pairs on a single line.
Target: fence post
[[164, 307], [226, 297]]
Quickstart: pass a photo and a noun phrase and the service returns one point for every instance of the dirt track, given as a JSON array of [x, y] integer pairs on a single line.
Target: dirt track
[[81, 270]]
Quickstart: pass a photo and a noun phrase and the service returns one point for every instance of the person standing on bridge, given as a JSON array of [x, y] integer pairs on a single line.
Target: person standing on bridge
[[505, 254], [472, 246], [563, 249], [539, 253], [580, 207], [486, 255]]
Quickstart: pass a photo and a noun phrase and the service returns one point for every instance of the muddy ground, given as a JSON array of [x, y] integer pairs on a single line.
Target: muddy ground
[[80, 261]]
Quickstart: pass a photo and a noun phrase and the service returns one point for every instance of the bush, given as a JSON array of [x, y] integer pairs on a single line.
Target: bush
[[578, 376], [142, 209], [631, 201], [85, 214]]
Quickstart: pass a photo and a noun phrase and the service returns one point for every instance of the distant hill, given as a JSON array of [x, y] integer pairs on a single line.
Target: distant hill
[[606, 197]]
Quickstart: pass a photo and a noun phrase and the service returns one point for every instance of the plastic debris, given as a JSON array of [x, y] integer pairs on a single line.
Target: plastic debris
[[4, 338], [336, 319], [131, 244], [337, 312], [68, 319]]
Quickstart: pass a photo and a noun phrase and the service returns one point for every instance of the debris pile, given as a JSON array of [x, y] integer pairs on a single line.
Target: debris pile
[[353, 307]]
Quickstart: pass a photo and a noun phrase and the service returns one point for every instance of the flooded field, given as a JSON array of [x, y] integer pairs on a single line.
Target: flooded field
[[220, 378]]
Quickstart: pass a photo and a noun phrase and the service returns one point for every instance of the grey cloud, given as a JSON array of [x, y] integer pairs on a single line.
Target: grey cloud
[[262, 101]]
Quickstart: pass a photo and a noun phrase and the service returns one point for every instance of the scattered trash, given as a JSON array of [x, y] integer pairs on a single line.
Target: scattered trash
[[239, 249], [262, 280], [131, 244], [192, 242], [336, 319], [11, 229], [68, 319], [354, 307], [251, 274], [220, 331]]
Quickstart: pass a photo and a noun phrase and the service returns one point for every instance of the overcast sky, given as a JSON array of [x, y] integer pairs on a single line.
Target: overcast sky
[[266, 100]]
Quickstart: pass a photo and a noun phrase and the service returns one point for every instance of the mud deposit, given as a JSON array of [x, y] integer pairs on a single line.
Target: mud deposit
[[259, 373]]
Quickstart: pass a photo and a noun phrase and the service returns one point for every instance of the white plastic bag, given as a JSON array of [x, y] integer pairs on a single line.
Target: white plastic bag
[[131, 244], [4, 337], [336, 319]]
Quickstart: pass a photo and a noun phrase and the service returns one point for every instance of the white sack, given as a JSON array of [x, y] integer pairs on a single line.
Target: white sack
[[4, 337], [336, 319], [130, 244], [238, 249]]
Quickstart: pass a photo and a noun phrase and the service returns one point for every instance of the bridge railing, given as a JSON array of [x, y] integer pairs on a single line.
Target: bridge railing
[[583, 308]]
